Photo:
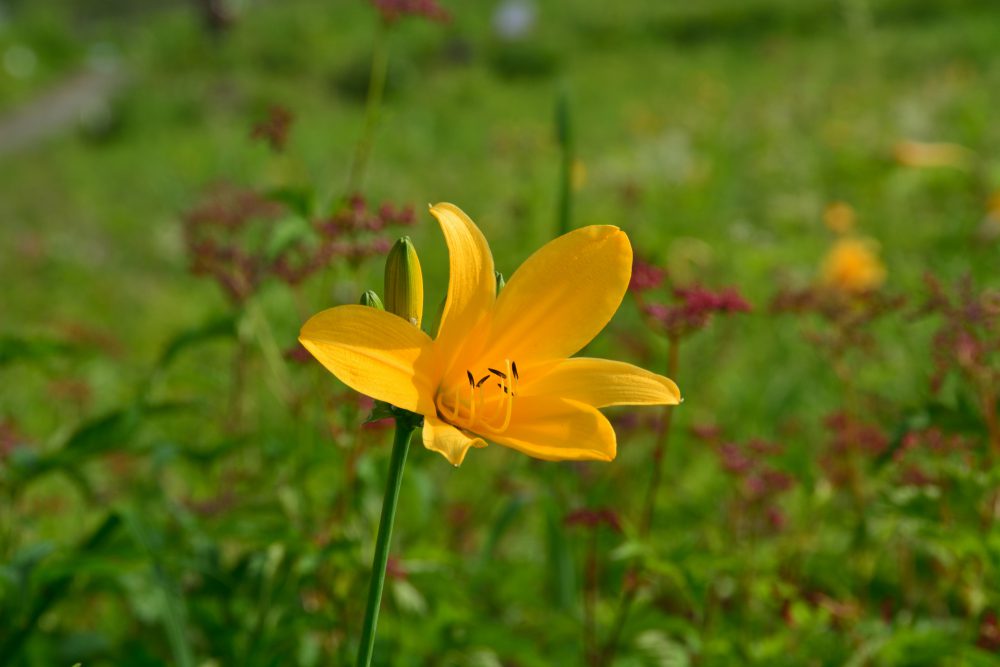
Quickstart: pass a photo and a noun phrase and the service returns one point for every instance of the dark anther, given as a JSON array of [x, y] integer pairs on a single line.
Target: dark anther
[[472, 380], [513, 368], [497, 373], [482, 380]]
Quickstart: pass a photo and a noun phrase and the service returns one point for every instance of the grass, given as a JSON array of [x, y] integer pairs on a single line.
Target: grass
[[714, 135]]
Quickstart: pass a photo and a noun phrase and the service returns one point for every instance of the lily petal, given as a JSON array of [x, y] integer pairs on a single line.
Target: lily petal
[[374, 352], [555, 429], [471, 282], [602, 382], [448, 441], [562, 296]]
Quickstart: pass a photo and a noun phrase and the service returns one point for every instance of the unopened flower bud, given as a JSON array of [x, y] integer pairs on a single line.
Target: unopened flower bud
[[500, 281], [370, 299], [404, 282]]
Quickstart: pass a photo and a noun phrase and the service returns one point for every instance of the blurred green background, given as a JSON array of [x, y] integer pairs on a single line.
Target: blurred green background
[[178, 489]]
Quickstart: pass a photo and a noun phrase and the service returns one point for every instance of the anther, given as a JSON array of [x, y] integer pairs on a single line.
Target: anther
[[499, 374], [513, 368], [482, 380], [472, 380]]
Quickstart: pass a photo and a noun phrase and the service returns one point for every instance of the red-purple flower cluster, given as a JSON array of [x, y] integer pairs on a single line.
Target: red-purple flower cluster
[[274, 129], [645, 276], [968, 340], [594, 517], [850, 434], [750, 463], [10, 438], [355, 217], [213, 233], [916, 468], [393, 10], [845, 318], [394, 569], [229, 238], [692, 307], [850, 438], [989, 632]]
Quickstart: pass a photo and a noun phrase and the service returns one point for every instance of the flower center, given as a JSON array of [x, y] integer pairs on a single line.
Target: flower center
[[480, 402]]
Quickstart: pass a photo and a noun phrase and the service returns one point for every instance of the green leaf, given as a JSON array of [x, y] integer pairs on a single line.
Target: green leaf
[[511, 510], [223, 327], [116, 429], [286, 233], [562, 572], [298, 200], [13, 635], [15, 348], [171, 604]]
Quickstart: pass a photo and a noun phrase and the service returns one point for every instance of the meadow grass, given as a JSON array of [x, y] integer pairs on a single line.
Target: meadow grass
[[715, 136]]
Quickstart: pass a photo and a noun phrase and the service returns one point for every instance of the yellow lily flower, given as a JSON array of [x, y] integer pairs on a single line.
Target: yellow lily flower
[[500, 367]]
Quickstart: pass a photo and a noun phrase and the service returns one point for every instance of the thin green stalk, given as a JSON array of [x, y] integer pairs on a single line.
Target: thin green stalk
[[373, 104], [400, 447], [649, 509], [564, 135], [662, 441]]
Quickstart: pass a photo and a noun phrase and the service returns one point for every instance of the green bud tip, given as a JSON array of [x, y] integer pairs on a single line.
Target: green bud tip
[[370, 299], [500, 281], [404, 282]]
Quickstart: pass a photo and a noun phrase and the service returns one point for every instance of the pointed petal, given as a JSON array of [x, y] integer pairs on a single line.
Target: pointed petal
[[555, 429], [448, 441], [374, 352], [601, 383], [562, 296], [471, 282]]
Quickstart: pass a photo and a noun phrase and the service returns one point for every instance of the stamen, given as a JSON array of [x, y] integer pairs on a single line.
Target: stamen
[[509, 401], [490, 411], [472, 400]]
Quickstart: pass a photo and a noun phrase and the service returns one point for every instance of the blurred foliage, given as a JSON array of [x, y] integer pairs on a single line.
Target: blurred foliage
[[178, 485]]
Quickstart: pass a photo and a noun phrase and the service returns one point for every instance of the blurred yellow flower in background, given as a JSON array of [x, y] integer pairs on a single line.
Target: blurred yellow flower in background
[[853, 266], [932, 154], [839, 217]]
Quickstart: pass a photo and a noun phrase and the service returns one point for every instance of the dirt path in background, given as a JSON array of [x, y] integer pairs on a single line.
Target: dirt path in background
[[58, 109]]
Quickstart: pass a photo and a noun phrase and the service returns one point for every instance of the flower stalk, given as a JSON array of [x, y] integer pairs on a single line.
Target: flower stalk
[[564, 137], [405, 424], [373, 106], [606, 656]]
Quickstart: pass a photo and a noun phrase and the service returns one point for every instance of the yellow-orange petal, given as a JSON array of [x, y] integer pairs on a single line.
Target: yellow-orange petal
[[374, 352], [448, 441], [562, 296], [555, 429], [601, 383], [471, 281]]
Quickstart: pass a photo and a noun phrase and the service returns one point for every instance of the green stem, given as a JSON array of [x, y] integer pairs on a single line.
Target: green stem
[[400, 446], [649, 510], [564, 135], [373, 103]]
